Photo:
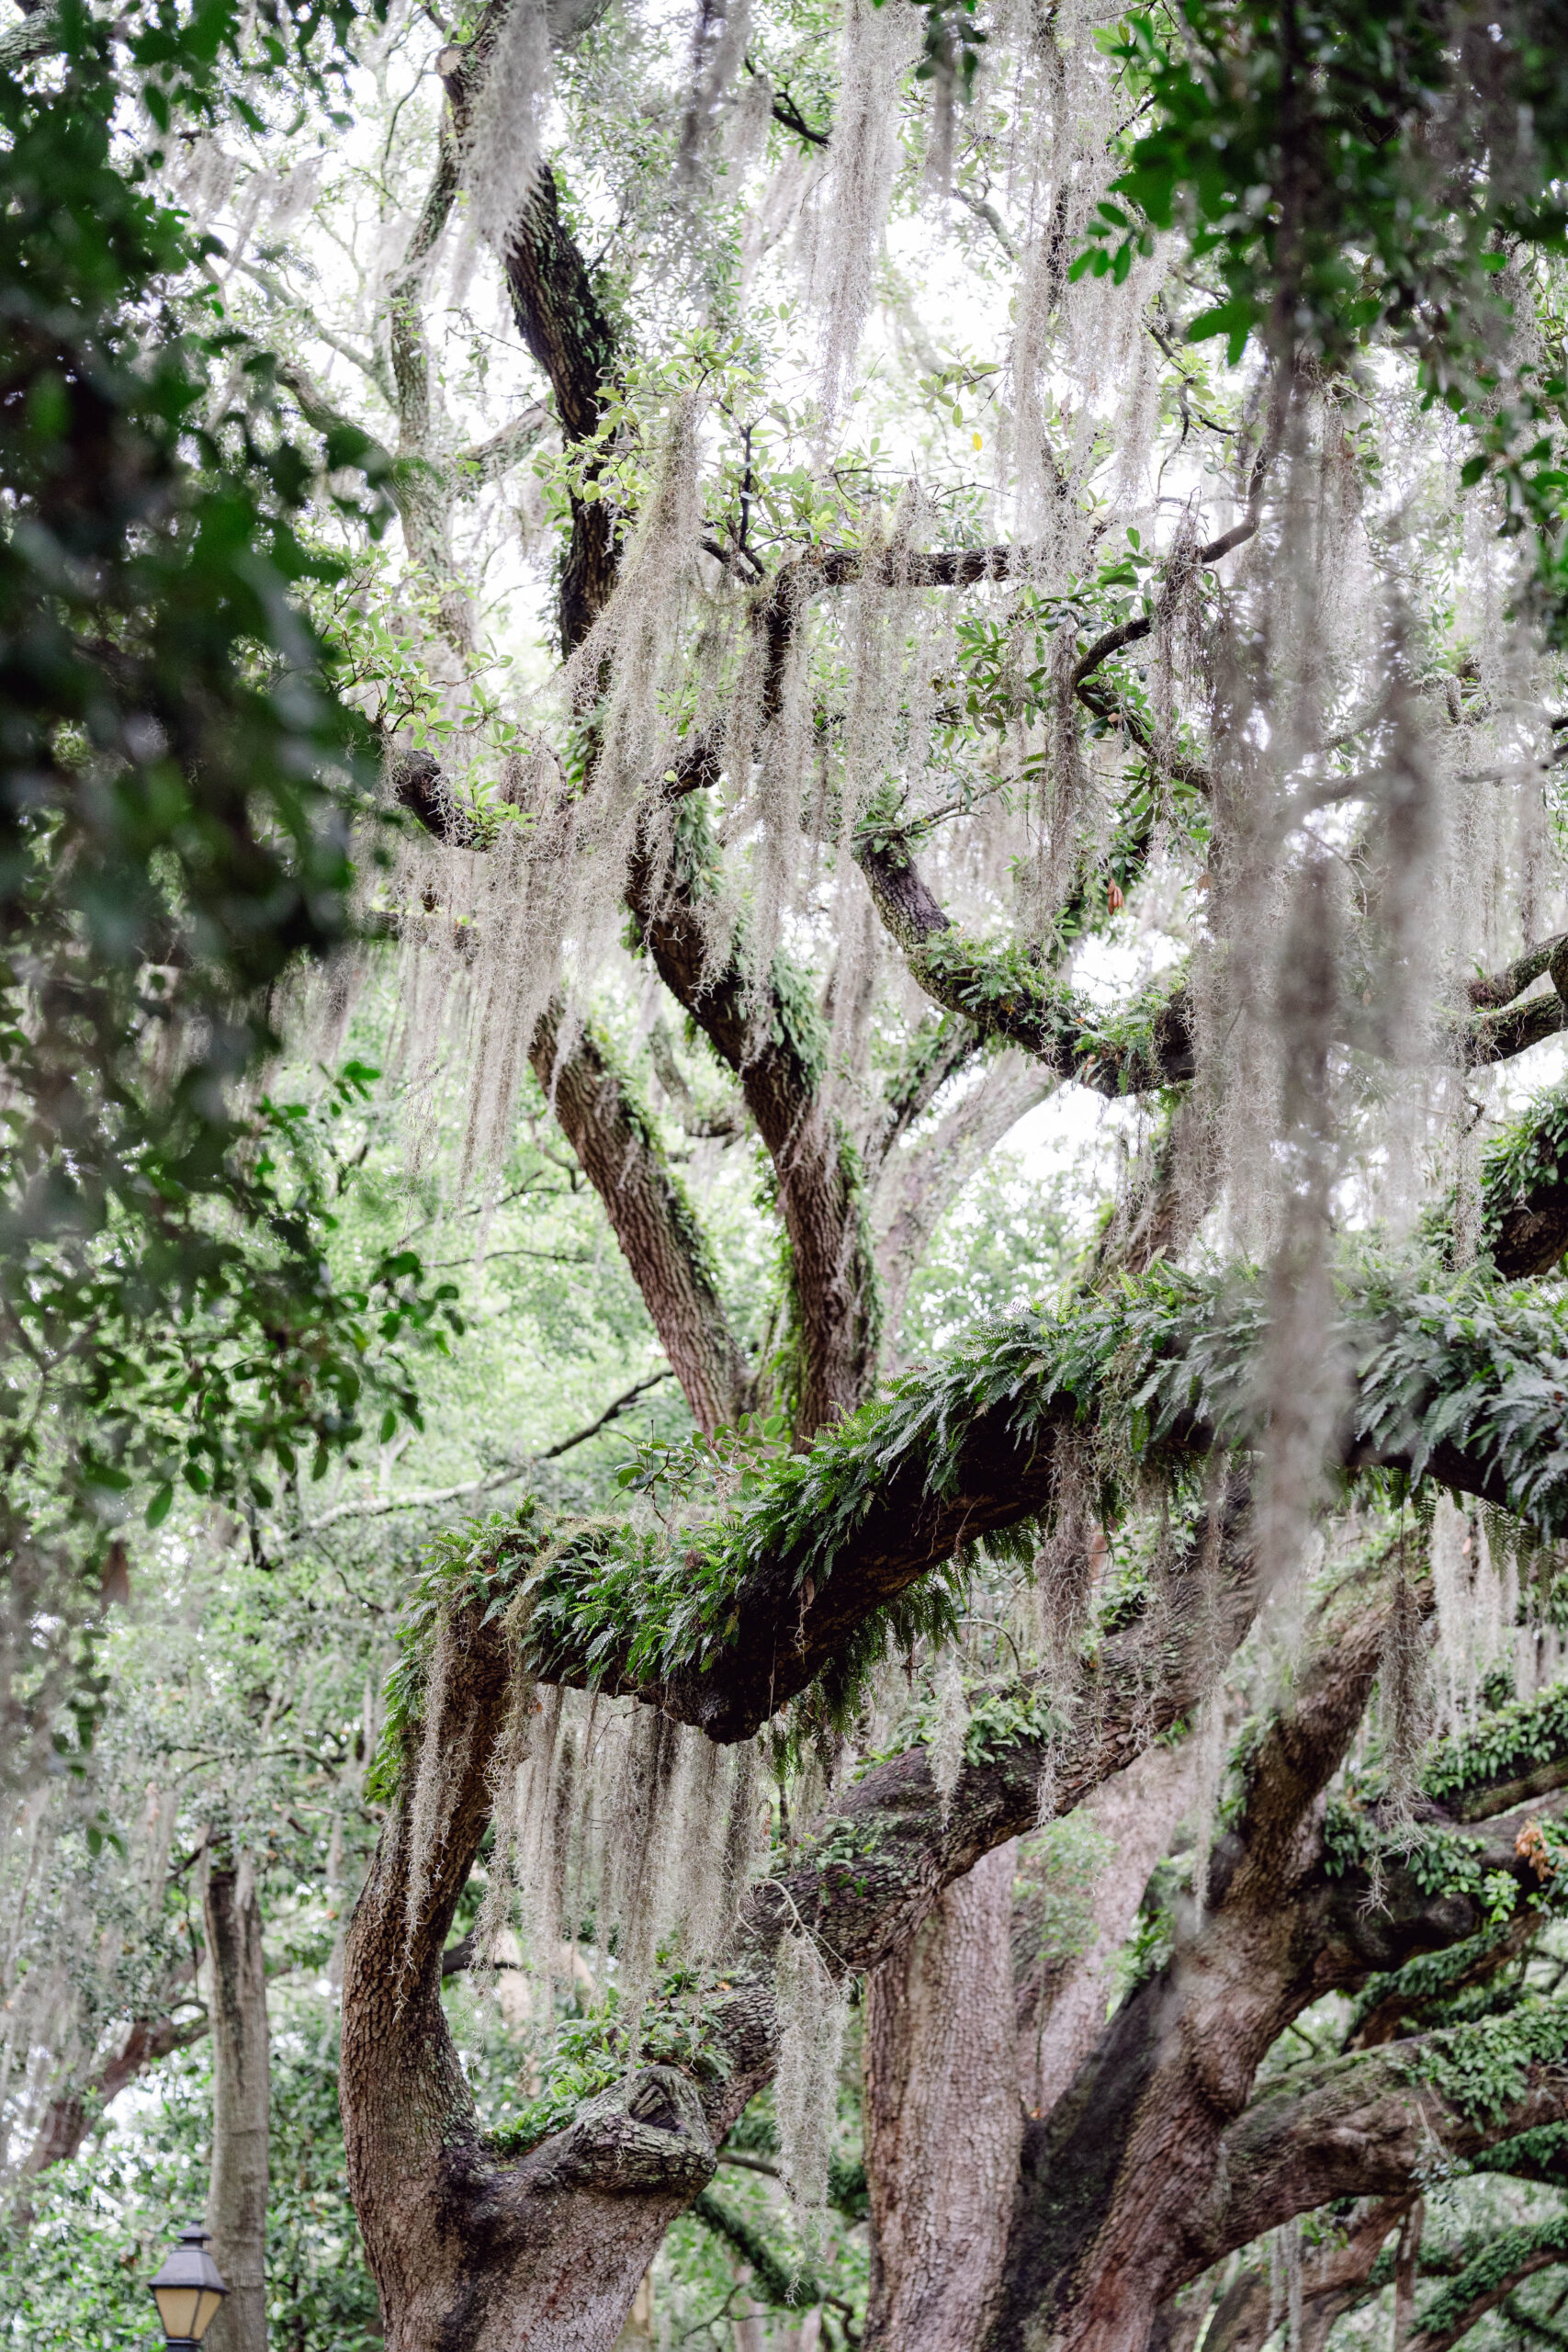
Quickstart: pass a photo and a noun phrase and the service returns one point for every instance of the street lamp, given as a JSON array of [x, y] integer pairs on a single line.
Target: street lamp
[[187, 2290]]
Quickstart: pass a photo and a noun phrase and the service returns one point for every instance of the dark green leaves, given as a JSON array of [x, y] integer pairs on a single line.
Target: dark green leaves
[[1371, 169]]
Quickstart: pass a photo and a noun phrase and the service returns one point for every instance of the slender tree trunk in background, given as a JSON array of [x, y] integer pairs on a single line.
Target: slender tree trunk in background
[[639, 2328], [1406, 2263], [1061, 1999], [944, 2123], [236, 2205]]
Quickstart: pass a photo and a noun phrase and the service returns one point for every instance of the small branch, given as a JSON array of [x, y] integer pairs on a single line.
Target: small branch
[[277, 292], [488, 460], [1489, 991], [786, 112], [426, 1496], [986, 211]]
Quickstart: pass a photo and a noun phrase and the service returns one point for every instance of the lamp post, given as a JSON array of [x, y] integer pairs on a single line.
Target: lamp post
[[187, 2290]]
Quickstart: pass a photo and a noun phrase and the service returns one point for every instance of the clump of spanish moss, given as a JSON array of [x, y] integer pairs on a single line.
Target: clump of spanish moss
[[616, 1825], [1404, 1703], [500, 153], [879, 45], [813, 2009], [950, 1725]]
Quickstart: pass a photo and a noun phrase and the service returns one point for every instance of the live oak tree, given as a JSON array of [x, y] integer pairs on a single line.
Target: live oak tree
[[871, 767]]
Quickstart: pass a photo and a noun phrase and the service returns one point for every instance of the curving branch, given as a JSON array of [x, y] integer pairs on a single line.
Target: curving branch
[[1488, 2279], [1367, 2126], [974, 1447], [1006, 995], [618, 1149]]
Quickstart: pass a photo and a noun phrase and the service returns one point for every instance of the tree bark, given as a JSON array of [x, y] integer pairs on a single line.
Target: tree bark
[[942, 2118], [651, 1218], [236, 2209]]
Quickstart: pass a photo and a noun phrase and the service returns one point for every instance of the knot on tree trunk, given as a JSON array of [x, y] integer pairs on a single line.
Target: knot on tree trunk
[[646, 2133]]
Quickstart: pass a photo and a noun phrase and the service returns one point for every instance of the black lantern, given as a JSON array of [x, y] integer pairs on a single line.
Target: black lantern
[[188, 2289]]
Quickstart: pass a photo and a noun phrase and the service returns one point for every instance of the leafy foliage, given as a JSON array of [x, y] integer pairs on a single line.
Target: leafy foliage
[[1350, 171], [1509, 1741], [1484, 2070], [179, 781]]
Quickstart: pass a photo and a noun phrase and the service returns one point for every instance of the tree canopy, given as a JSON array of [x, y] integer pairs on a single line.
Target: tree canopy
[[784, 1171]]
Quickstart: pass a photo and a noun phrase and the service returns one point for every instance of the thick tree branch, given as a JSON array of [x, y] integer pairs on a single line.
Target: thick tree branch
[[1368, 2125], [468, 2246], [654, 1221], [1131, 2187], [1488, 2281], [68, 2121], [974, 1445], [1007, 996], [776, 1050]]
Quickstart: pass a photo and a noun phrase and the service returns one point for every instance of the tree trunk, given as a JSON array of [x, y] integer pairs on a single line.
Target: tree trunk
[[236, 2204], [942, 2118]]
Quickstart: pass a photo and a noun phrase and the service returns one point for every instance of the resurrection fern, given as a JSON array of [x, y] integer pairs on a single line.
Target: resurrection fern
[[1010, 996], [1168, 1361], [1513, 1740], [1528, 1159], [1426, 1979], [1510, 2255], [1544, 2149], [1484, 2070]]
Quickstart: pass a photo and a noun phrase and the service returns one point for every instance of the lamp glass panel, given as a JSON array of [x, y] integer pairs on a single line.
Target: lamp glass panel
[[177, 2309], [207, 2310]]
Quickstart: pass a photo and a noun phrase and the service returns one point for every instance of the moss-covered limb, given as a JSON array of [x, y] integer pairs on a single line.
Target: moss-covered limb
[[1380, 2122], [773, 2279], [777, 1050], [1488, 990], [1007, 995], [1488, 1037], [1511, 2256], [1460, 1383], [1540, 2154], [1392, 2002], [1524, 1190], [1145, 1046], [619, 1150], [1516, 1752]]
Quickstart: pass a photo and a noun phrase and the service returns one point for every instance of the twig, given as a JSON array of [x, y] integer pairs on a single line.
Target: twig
[[424, 1498]]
